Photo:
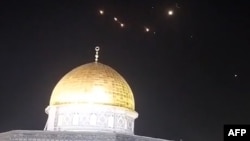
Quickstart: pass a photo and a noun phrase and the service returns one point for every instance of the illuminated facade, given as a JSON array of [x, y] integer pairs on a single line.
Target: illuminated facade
[[92, 97], [92, 102]]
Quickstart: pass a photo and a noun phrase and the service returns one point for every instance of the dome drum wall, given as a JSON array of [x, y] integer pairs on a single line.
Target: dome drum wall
[[92, 97], [91, 117]]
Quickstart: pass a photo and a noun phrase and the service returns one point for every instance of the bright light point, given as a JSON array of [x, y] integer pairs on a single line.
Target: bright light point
[[115, 19], [101, 12], [235, 75], [122, 25], [170, 12], [146, 29]]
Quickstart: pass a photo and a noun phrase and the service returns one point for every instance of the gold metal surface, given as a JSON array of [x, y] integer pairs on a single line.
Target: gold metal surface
[[93, 83]]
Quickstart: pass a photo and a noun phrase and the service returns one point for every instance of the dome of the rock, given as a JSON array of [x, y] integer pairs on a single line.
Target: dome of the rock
[[93, 83]]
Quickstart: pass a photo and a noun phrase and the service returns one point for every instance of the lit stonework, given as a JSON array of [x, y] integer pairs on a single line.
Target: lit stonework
[[27, 135], [92, 102], [92, 97]]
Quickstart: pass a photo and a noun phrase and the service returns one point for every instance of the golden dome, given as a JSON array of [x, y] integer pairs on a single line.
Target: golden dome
[[93, 83]]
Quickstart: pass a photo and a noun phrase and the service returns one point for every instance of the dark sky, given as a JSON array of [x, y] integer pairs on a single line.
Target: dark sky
[[183, 76]]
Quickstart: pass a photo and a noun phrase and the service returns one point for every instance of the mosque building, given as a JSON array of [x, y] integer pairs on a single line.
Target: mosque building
[[92, 102]]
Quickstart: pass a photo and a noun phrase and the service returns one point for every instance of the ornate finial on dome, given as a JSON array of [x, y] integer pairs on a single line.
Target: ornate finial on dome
[[97, 48]]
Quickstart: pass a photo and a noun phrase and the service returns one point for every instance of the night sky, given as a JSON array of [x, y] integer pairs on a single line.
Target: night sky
[[189, 73]]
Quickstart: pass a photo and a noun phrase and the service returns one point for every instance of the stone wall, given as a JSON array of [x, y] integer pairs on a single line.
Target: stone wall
[[25, 135]]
